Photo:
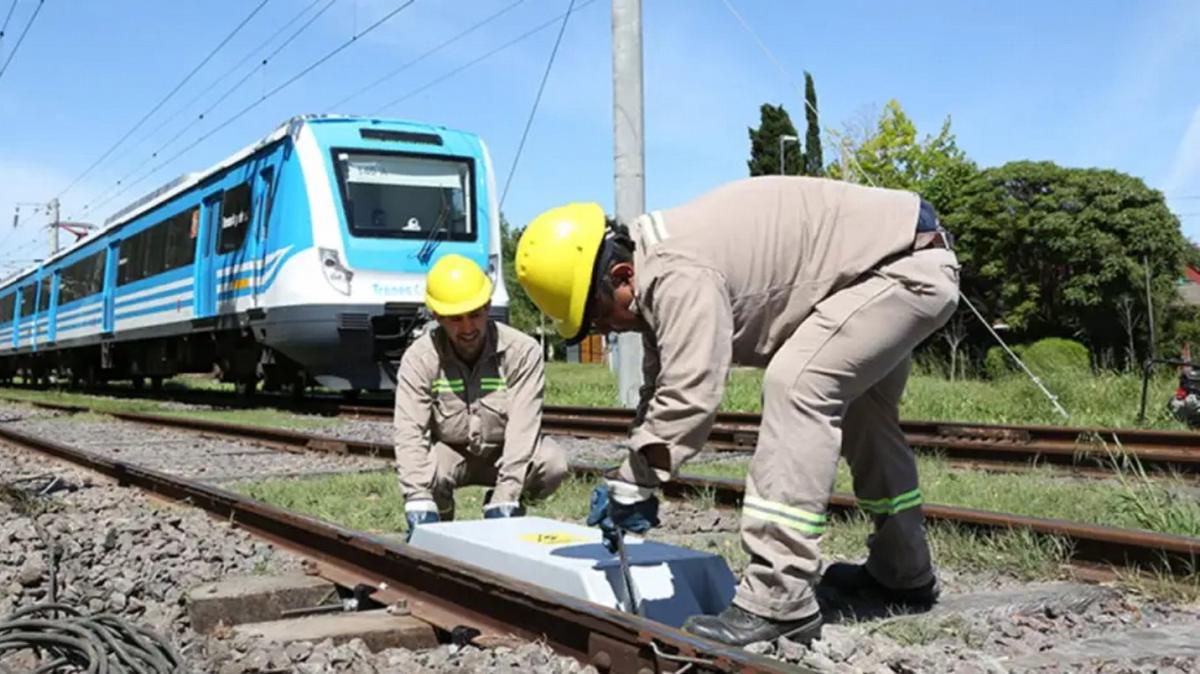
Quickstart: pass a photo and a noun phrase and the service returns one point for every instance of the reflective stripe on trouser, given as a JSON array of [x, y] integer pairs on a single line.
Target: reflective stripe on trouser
[[852, 352], [454, 469]]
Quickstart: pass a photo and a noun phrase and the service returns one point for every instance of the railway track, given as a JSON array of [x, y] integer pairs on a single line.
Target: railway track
[[1095, 549], [454, 597], [1087, 450]]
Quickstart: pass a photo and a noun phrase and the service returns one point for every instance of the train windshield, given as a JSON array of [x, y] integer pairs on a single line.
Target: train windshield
[[405, 196]]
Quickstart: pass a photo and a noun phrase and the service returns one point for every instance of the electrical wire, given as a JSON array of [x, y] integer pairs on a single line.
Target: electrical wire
[[335, 51], [21, 39], [1054, 401], [438, 80], [106, 196], [536, 100], [166, 98], [97, 643], [422, 57], [204, 92], [8, 17]]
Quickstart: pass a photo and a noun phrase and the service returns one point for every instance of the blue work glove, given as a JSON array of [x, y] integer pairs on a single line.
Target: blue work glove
[[499, 510], [416, 518], [620, 506]]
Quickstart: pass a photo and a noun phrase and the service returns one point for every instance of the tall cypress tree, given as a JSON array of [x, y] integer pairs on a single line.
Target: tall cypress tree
[[814, 163], [764, 143]]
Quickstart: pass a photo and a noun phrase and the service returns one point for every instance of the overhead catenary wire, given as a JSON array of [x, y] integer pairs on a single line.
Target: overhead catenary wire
[[1054, 401], [106, 196], [536, 101], [336, 50], [441, 45], [20, 39], [164, 99], [8, 17], [212, 85], [482, 57]]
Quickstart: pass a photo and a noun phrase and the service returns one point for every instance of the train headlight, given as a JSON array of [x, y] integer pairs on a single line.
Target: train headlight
[[493, 266], [337, 275]]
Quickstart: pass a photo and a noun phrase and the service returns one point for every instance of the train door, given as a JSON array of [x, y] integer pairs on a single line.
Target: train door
[[264, 196], [41, 320], [111, 261], [205, 279], [52, 316]]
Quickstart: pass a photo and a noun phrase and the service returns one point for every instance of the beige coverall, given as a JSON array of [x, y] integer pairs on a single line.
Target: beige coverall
[[818, 281], [457, 425]]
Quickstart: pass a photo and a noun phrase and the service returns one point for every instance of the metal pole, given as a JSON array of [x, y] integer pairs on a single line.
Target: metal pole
[[628, 163], [1149, 306], [782, 158]]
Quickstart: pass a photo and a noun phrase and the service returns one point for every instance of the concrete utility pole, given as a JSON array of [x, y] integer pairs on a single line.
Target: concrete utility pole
[[54, 224], [629, 163]]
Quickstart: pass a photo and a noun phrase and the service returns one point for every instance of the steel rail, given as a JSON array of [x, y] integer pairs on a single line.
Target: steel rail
[[441, 591], [1089, 543], [1086, 449]]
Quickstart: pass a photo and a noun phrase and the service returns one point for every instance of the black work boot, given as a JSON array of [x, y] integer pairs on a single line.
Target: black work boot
[[853, 580], [737, 627]]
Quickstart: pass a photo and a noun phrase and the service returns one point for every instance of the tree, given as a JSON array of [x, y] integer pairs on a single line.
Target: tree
[[891, 156], [953, 333], [1048, 250], [814, 163], [764, 143]]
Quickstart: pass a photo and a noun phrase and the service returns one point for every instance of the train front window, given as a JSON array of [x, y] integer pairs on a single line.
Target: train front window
[[408, 197]]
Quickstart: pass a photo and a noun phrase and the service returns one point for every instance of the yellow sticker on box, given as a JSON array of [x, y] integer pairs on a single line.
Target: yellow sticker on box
[[554, 538]]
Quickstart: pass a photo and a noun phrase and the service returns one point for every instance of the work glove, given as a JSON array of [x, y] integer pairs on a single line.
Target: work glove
[[499, 510], [415, 518], [620, 506]]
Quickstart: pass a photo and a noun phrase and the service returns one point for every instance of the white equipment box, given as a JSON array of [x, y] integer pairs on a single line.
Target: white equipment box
[[670, 582]]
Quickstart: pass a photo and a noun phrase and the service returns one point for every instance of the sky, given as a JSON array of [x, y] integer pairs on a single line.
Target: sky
[[1106, 83]]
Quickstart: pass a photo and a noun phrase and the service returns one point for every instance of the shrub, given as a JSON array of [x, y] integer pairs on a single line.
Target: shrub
[[1055, 355]]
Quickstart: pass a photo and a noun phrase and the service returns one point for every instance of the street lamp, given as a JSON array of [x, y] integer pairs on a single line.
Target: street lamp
[[782, 160]]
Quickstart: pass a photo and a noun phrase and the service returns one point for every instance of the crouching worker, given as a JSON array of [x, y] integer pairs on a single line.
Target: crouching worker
[[469, 405], [827, 284]]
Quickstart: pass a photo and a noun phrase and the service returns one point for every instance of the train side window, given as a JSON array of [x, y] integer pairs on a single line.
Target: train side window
[[8, 304], [95, 282], [181, 239], [44, 296], [154, 250], [130, 260], [235, 218], [27, 299]]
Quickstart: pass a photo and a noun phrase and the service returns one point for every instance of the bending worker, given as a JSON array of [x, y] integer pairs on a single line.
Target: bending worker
[[469, 405], [827, 284]]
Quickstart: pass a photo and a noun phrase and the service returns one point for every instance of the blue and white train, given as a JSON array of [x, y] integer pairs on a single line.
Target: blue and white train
[[301, 258]]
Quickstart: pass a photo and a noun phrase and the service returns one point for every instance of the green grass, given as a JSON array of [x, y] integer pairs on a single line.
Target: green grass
[[1093, 400], [372, 502]]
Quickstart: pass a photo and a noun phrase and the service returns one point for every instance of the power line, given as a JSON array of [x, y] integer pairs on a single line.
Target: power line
[[788, 76], [7, 18], [107, 195], [249, 55], [423, 56], [269, 94], [537, 99], [527, 34], [162, 102], [25, 32]]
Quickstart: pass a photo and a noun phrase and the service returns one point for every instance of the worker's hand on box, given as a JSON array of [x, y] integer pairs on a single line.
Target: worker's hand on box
[[418, 513], [621, 506]]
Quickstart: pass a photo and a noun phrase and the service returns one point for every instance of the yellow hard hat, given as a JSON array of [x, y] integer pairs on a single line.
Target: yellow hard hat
[[555, 258], [455, 286]]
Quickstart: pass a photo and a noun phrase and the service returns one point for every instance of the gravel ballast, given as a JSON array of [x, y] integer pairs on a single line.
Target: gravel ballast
[[137, 558]]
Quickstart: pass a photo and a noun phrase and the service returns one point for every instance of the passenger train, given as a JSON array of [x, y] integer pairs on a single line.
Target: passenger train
[[299, 259]]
